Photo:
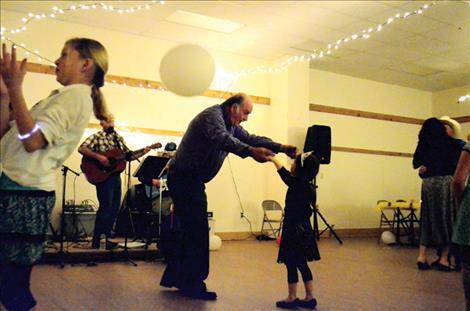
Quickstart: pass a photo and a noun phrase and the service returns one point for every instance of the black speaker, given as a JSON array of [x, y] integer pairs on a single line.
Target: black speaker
[[318, 140]]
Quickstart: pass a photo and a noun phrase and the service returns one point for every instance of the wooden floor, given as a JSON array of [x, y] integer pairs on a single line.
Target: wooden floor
[[358, 275]]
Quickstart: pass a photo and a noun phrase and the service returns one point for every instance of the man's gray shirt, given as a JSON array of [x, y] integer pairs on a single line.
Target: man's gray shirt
[[208, 140]]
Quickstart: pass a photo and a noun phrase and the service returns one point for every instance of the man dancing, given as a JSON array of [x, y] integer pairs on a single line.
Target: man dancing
[[211, 135]]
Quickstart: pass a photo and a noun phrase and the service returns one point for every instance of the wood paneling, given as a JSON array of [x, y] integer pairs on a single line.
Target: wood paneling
[[143, 130], [365, 114], [370, 151], [463, 119]]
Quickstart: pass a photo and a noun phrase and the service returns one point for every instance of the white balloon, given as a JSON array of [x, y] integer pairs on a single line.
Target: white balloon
[[215, 242], [388, 237], [187, 70]]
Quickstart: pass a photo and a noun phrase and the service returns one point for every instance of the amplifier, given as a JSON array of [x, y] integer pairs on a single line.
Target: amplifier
[[79, 209], [79, 224]]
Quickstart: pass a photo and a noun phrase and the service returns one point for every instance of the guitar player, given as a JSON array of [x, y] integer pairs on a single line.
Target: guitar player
[[108, 191]]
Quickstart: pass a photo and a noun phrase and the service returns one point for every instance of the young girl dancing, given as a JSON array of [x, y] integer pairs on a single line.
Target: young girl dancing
[[298, 243]]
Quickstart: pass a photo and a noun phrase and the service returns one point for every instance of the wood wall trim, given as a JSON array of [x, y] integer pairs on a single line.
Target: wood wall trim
[[143, 130], [334, 148], [375, 115], [46, 69], [364, 114], [370, 151], [463, 119]]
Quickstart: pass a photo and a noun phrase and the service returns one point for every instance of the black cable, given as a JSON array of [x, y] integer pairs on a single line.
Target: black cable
[[240, 202], [74, 179]]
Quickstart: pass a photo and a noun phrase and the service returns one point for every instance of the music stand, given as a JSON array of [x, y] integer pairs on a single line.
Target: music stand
[[153, 167]]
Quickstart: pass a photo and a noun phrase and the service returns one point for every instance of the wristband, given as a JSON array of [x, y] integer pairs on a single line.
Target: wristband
[[28, 135]]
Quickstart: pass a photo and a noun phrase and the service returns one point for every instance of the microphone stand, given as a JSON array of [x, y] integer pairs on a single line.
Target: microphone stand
[[65, 169], [126, 235]]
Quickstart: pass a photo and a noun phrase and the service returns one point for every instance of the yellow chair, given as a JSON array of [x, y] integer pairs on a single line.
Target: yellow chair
[[387, 221], [404, 217]]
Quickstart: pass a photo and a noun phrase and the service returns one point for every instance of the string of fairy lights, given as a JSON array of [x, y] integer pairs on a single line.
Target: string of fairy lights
[[58, 11], [226, 78]]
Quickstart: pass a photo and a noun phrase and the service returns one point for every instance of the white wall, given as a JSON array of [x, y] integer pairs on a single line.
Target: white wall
[[444, 103], [139, 57], [350, 186]]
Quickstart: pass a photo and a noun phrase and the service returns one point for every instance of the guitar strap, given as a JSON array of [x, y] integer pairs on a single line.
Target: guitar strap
[[116, 141], [120, 145]]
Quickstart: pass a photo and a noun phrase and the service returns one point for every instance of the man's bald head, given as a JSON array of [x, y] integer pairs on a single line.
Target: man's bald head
[[238, 107]]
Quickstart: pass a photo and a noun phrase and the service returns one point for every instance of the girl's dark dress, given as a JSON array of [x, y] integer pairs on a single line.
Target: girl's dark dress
[[298, 241]]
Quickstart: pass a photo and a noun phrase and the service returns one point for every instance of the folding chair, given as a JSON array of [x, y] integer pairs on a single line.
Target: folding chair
[[386, 221], [271, 209]]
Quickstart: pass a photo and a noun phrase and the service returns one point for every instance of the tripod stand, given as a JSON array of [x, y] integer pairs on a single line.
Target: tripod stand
[[317, 213], [65, 169]]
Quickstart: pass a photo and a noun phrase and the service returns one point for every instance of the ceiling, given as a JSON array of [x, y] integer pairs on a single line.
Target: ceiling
[[429, 51]]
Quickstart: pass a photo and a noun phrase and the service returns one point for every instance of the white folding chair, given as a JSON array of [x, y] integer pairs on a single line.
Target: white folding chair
[[272, 214]]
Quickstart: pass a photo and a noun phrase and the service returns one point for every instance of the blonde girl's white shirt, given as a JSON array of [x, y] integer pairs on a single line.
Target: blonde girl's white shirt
[[62, 118]]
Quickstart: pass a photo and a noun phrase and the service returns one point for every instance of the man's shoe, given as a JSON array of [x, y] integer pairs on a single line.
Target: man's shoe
[[201, 295]]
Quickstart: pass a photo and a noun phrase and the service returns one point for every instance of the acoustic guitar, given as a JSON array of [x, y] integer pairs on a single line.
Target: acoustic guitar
[[96, 173]]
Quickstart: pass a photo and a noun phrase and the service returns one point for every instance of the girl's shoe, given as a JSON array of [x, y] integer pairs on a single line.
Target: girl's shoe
[[309, 304], [287, 304]]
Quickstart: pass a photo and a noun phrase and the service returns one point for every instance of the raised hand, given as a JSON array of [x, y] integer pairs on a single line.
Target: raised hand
[[12, 72], [4, 97]]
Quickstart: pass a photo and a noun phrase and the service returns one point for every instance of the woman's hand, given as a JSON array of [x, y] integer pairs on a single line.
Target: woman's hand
[[4, 97], [12, 72]]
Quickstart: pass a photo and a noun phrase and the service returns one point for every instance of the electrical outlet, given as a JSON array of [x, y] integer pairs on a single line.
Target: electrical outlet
[[241, 215]]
